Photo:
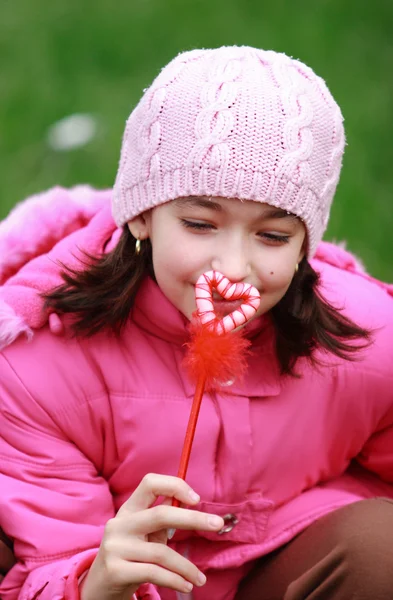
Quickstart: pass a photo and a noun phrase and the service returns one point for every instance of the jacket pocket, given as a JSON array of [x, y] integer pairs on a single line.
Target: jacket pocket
[[245, 522]]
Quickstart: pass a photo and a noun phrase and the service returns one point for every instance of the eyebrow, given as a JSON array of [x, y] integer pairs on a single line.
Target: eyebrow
[[195, 202], [269, 212], [277, 213]]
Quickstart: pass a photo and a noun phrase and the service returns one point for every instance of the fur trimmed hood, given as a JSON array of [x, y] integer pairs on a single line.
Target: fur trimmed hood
[[39, 234], [54, 228]]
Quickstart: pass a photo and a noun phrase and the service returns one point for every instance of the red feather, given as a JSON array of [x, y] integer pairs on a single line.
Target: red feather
[[217, 357]]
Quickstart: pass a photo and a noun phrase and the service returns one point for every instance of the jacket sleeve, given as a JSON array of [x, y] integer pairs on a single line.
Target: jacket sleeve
[[53, 502], [377, 453]]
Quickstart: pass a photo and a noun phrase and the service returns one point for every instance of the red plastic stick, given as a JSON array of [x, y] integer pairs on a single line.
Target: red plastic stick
[[190, 432]]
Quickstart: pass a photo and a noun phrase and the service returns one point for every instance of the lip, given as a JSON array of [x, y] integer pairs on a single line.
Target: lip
[[226, 302], [217, 298], [222, 307]]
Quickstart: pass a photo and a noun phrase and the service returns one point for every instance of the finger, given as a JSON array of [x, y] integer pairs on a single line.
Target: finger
[[164, 535], [163, 556], [153, 485], [139, 573], [159, 537], [161, 517]]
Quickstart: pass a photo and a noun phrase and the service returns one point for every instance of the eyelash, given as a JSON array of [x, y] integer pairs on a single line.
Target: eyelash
[[196, 225], [271, 237], [275, 237]]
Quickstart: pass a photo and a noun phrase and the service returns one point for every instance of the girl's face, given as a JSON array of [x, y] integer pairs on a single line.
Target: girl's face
[[247, 241]]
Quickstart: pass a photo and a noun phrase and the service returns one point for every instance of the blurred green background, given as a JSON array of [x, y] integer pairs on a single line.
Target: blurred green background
[[96, 56]]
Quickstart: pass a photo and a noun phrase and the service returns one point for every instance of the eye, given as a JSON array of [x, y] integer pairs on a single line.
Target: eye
[[274, 238], [197, 225]]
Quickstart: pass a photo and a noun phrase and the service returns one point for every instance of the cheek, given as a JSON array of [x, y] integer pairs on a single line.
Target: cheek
[[182, 257], [274, 284], [277, 274], [172, 263], [278, 265]]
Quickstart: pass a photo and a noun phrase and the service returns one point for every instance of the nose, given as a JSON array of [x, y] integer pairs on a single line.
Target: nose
[[232, 260]]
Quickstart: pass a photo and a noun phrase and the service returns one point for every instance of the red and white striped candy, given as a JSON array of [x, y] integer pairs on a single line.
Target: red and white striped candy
[[213, 280]]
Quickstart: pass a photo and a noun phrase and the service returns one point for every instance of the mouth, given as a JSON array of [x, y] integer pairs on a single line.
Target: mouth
[[222, 307]]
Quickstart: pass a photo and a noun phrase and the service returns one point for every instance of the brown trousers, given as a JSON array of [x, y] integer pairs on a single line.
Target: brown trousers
[[348, 554], [6, 557]]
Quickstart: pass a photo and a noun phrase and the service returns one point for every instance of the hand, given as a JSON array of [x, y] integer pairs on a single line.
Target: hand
[[134, 547], [7, 559]]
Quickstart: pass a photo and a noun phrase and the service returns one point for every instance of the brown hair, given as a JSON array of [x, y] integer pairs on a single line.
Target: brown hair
[[102, 294]]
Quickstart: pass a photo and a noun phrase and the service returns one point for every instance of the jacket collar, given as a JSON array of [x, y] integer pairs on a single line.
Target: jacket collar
[[157, 316]]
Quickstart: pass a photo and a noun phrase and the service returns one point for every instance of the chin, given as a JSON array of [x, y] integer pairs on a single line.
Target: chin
[[189, 314], [186, 312]]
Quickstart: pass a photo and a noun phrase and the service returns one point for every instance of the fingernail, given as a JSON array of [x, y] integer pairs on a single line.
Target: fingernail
[[171, 533], [188, 587], [214, 521], [201, 579], [194, 496]]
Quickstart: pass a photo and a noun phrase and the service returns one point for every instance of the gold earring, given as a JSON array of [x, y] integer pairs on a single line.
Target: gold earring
[[297, 267], [138, 246]]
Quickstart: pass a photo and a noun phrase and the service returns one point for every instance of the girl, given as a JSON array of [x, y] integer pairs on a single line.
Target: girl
[[229, 162]]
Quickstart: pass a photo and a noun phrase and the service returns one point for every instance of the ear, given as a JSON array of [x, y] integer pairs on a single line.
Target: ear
[[140, 226], [303, 249], [302, 254]]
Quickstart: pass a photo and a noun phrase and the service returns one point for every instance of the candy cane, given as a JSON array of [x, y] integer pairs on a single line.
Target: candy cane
[[213, 280]]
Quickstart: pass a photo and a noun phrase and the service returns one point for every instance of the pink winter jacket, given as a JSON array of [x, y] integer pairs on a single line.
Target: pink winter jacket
[[83, 420]]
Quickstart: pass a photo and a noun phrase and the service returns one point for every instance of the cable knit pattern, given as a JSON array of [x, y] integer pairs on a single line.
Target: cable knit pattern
[[234, 122], [141, 144], [214, 123], [338, 141], [297, 136]]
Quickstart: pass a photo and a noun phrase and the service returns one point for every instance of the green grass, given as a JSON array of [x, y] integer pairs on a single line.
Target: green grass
[[59, 58]]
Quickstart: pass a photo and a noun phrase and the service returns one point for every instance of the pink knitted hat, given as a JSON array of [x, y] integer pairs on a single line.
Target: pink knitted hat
[[235, 122]]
